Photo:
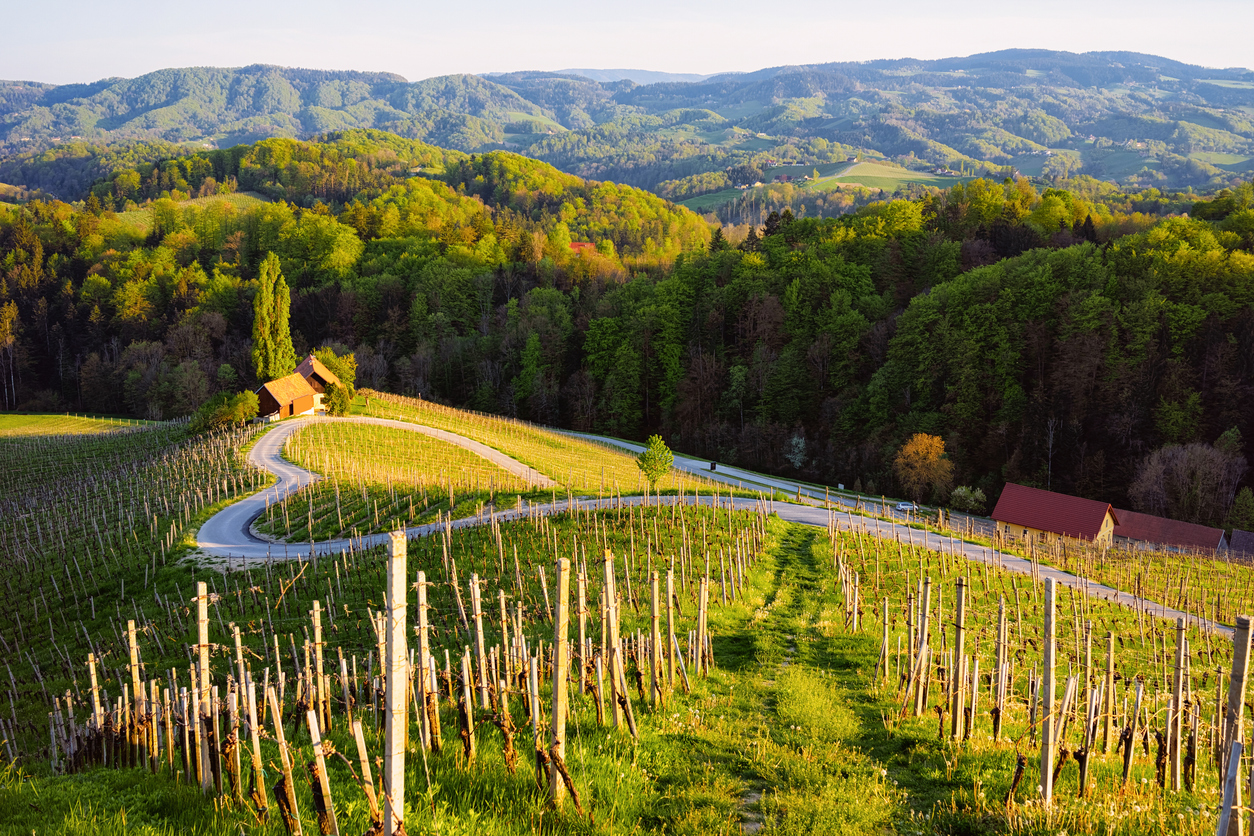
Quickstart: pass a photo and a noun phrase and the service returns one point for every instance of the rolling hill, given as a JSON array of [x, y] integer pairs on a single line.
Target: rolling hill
[[1139, 120]]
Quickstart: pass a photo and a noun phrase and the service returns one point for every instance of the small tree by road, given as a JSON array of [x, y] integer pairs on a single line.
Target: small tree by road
[[655, 462]]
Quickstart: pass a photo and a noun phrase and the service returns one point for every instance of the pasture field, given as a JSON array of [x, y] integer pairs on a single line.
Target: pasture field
[[710, 202], [15, 425], [890, 178], [1231, 162]]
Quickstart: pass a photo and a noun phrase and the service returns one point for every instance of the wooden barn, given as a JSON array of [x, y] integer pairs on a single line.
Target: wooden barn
[[285, 397], [1171, 534], [318, 376], [1024, 513]]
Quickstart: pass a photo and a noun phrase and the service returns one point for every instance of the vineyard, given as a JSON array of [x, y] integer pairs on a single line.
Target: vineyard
[[379, 478], [584, 467], [687, 663], [45, 425]]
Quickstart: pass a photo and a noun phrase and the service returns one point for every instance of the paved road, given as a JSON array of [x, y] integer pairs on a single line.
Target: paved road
[[226, 533]]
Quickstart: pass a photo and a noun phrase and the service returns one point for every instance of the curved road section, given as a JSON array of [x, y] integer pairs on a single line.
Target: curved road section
[[226, 534]]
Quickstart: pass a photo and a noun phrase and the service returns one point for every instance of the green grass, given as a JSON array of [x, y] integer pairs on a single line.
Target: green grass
[[710, 202], [1235, 85], [16, 425], [141, 219], [890, 178], [378, 478], [1122, 163], [580, 465]]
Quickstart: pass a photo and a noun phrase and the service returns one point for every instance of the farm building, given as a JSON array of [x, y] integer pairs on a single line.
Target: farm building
[[1242, 544], [1173, 534], [1045, 516], [285, 397], [318, 376]]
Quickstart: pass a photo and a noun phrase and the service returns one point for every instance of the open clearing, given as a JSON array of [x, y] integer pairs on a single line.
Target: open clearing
[[890, 178]]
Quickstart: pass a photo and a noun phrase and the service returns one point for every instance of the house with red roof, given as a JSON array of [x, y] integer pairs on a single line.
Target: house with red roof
[[1024, 513], [1173, 534]]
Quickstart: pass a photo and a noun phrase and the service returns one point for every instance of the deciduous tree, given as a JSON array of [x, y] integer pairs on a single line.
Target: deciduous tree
[[655, 461], [921, 463]]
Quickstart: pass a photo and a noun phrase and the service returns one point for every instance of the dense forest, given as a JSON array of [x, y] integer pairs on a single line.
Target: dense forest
[[1136, 120], [1055, 337]]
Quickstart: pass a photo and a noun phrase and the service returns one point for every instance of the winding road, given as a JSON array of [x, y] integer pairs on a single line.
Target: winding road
[[227, 534]]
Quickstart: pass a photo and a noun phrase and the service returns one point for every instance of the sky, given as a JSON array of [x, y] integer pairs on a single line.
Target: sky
[[64, 41]]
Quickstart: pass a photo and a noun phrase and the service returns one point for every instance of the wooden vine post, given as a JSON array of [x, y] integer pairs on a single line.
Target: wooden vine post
[[202, 638], [1234, 736], [1047, 694], [396, 666], [655, 640], [561, 671], [957, 696], [287, 798], [1177, 715], [319, 781], [1108, 695]]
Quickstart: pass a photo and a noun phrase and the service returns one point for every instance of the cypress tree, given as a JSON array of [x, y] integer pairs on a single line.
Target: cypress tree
[[284, 354], [273, 355], [263, 328]]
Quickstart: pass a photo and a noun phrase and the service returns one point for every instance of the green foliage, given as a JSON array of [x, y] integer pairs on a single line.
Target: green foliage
[[343, 366], [273, 356], [1242, 514], [968, 499], [655, 460], [223, 410], [337, 400]]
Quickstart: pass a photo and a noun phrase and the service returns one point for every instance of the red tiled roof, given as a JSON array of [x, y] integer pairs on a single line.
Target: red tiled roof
[[582, 246], [1151, 529], [1053, 512], [312, 365], [1242, 542], [285, 390]]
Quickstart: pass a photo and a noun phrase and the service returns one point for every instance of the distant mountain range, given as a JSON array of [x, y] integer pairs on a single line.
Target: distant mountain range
[[1127, 117], [638, 76]]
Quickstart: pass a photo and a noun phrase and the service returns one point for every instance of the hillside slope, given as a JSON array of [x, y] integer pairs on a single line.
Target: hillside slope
[[1136, 119]]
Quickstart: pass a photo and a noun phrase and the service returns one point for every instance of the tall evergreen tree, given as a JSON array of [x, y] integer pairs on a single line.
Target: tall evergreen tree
[[263, 328], [284, 354], [273, 355]]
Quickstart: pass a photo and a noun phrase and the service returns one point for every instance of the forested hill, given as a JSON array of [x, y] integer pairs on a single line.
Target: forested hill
[[1053, 337], [1134, 119]]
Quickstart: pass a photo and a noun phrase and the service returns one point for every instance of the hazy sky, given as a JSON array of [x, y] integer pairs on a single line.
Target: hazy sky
[[82, 40]]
